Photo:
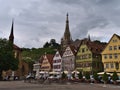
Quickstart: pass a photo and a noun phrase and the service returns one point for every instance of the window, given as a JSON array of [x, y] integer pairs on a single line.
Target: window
[[115, 40], [110, 56], [89, 55], [111, 65], [115, 56], [83, 50], [107, 65], [105, 56], [115, 47], [57, 55], [117, 65], [119, 47], [110, 47], [86, 49]]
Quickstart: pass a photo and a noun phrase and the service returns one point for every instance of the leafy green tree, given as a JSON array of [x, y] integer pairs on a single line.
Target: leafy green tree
[[51, 44], [80, 76], [114, 76], [95, 75], [7, 59], [105, 77], [64, 76], [87, 75], [46, 45], [30, 62]]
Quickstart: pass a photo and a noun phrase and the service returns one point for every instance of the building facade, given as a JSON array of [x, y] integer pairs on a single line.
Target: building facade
[[47, 63], [111, 55], [57, 62], [88, 58], [68, 59]]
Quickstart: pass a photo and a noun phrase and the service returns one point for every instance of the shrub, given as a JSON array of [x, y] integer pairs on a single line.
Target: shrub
[[114, 76], [95, 75], [105, 77], [87, 75], [64, 75], [80, 75]]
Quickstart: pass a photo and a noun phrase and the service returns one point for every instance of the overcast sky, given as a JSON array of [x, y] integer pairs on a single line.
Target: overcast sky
[[38, 21]]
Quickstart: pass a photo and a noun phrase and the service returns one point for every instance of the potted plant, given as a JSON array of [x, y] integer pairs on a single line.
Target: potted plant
[[80, 76], [87, 76], [114, 77], [105, 78], [64, 76], [95, 75]]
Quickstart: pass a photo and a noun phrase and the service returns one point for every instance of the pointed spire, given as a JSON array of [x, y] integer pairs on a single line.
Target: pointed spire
[[67, 31], [67, 21], [11, 37], [89, 38], [67, 39]]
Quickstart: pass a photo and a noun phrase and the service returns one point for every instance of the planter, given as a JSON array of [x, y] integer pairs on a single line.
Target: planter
[[114, 82]]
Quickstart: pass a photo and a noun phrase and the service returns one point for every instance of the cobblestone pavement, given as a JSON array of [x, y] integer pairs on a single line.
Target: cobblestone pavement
[[20, 85]]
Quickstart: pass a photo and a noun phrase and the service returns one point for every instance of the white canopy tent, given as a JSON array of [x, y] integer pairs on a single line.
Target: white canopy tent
[[101, 73]]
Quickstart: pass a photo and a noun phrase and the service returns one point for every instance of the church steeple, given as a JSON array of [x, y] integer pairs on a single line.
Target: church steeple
[[67, 35], [67, 39], [89, 38], [11, 37]]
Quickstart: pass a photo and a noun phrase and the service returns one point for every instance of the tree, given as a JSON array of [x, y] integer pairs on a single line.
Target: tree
[[105, 77], [64, 76], [87, 75], [7, 59], [52, 44], [95, 75], [46, 45], [80, 76], [114, 76], [30, 62]]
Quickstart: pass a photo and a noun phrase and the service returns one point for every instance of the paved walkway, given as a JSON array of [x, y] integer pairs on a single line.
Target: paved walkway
[[20, 85]]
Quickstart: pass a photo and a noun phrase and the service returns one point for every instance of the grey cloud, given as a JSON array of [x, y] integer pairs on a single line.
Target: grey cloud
[[37, 21]]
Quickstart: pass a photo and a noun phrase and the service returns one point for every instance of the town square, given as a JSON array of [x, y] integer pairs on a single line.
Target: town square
[[20, 85], [59, 44]]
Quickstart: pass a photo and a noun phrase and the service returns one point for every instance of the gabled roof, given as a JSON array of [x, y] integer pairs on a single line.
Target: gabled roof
[[111, 39], [73, 48], [15, 47], [117, 36], [60, 52], [113, 36], [95, 47], [50, 58], [76, 43]]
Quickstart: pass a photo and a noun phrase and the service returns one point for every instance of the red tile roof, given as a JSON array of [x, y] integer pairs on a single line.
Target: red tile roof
[[16, 47], [95, 47]]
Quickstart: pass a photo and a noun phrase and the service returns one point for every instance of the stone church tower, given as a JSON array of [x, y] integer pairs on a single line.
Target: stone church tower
[[22, 66], [66, 39]]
